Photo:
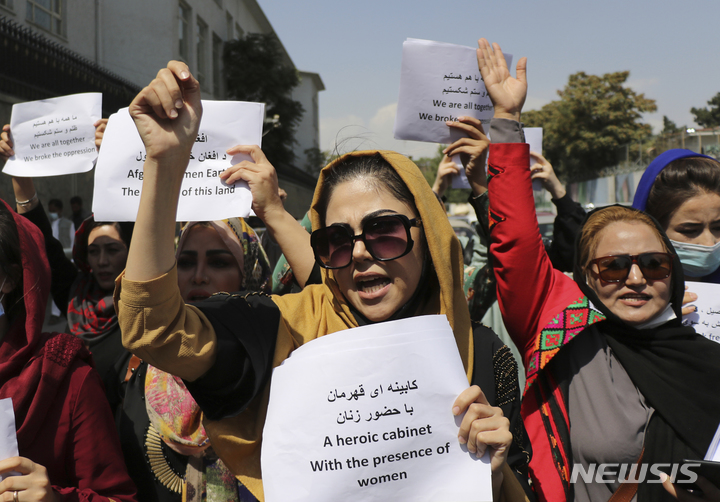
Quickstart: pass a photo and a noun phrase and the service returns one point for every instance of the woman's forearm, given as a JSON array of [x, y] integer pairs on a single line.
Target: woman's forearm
[[152, 251], [294, 242]]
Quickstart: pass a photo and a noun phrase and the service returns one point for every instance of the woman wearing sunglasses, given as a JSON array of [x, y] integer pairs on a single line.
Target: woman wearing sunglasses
[[388, 252], [612, 375]]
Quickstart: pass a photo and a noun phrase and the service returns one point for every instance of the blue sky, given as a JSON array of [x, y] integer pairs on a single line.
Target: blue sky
[[670, 49]]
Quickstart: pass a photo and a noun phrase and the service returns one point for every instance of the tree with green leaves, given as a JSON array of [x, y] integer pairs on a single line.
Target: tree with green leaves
[[669, 127], [256, 70], [594, 116], [708, 117]]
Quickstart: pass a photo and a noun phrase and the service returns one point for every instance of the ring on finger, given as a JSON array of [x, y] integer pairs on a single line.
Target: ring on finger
[[15, 496]]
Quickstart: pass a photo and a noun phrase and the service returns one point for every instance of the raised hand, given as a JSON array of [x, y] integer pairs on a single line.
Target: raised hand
[[6, 145], [507, 93], [100, 126], [446, 170], [473, 151], [260, 176], [542, 170], [167, 114]]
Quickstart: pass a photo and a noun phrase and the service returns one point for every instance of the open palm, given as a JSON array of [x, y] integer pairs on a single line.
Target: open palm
[[507, 93]]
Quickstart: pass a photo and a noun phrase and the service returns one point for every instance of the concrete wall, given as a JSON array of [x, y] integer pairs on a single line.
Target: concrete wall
[[307, 94]]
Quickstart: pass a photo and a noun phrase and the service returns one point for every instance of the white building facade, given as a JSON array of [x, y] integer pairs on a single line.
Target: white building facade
[[122, 44]]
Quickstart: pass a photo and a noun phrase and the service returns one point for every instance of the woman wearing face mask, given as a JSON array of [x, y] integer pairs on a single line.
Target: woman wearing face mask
[[613, 375], [681, 189], [66, 440], [407, 263]]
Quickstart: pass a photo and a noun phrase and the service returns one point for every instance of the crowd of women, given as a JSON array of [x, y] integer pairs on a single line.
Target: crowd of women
[[160, 390]]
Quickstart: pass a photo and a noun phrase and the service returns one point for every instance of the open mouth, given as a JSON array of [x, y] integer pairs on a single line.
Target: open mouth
[[635, 298], [372, 285]]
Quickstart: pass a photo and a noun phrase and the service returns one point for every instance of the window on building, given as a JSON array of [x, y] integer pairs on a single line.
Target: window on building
[[47, 14], [201, 49], [184, 32], [7, 3], [217, 50], [239, 33]]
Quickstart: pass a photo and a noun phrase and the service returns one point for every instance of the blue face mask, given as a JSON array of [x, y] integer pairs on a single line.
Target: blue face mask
[[698, 260]]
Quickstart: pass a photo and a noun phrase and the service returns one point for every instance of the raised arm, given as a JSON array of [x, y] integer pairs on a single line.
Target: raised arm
[[292, 238], [167, 115], [523, 270]]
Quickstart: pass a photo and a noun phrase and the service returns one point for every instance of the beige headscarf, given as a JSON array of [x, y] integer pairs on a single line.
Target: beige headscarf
[[321, 310]]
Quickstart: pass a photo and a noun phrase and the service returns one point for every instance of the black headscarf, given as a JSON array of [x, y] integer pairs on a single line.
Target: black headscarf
[[675, 369]]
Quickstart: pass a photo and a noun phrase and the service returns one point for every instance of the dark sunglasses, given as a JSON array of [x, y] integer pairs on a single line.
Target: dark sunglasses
[[386, 238], [654, 266]]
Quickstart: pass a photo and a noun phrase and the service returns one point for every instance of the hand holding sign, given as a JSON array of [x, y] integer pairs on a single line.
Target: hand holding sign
[[473, 150], [260, 176], [52, 137], [167, 115], [507, 93]]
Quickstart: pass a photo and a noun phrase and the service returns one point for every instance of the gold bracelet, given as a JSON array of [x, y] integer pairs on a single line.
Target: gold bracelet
[[24, 203]]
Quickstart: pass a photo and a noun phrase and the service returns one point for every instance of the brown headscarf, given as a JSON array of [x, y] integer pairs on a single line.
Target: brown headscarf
[[321, 310]]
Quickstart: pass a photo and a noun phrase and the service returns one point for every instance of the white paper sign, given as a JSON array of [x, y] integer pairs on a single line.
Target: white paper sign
[[365, 414], [54, 136], [8, 436], [534, 137], [203, 197], [706, 319], [439, 82]]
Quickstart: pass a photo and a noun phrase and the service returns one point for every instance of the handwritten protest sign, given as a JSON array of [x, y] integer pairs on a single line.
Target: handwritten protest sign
[[706, 319], [371, 419], [203, 197], [54, 136], [439, 82]]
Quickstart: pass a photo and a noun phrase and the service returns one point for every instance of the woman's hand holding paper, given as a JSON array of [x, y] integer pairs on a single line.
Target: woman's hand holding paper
[[167, 114], [473, 151]]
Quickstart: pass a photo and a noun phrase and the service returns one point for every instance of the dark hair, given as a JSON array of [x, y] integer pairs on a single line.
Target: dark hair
[[124, 229], [682, 179], [598, 220], [373, 168], [11, 262], [56, 202], [75, 199]]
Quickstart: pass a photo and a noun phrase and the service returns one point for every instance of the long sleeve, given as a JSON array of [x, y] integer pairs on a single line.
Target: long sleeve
[[160, 329], [93, 463], [568, 223], [222, 347], [62, 269], [524, 273]]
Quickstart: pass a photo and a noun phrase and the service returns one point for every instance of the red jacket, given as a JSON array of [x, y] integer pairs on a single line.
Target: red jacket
[[542, 308]]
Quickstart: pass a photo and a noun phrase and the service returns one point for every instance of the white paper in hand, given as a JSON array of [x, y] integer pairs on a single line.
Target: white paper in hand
[[365, 414], [439, 82], [53, 137], [8, 437], [203, 197]]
